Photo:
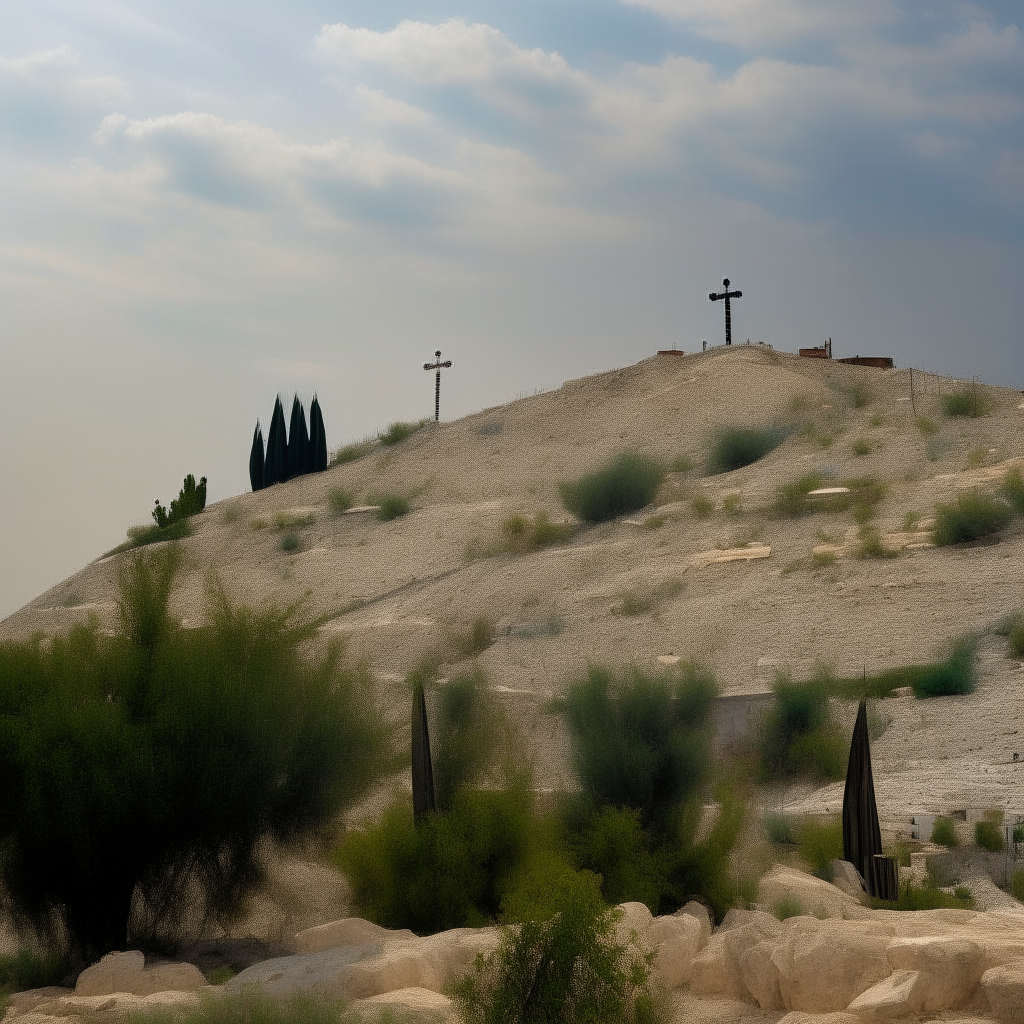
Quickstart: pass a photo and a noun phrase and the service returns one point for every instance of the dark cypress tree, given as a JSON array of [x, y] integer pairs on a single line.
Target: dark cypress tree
[[298, 440], [275, 466], [256, 459], [317, 438]]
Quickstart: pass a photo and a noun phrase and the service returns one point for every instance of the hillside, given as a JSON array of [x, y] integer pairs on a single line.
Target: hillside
[[742, 589]]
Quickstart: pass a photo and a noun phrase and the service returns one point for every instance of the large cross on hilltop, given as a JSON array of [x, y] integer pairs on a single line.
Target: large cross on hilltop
[[437, 365], [727, 295]]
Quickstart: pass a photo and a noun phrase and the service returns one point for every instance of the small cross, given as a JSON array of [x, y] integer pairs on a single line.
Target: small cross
[[437, 365], [727, 295]]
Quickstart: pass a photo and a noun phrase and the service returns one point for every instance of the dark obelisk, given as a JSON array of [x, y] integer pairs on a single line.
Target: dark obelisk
[[862, 837], [727, 295], [422, 769]]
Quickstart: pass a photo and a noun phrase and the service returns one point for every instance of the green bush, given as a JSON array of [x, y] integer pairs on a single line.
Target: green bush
[[1017, 640], [944, 833], [190, 501], [966, 402], [640, 741], [989, 836], [791, 498], [160, 761], [391, 506], [736, 447], [787, 907], [641, 750], [924, 897], [399, 431], [339, 500], [521, 534], [1013, 489], [251, 1006], [451, 871], [972, 516], [820, 842], [141, 536], [351, 452], [290, 543], [1017, 885], [560, 962], [954, 674], [778, 829], [626, 483], [476, 639], [702, 506], [799, 736], [27, 969], [682, 464]]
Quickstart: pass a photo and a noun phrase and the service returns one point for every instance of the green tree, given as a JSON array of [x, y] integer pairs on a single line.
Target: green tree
[[150, 765]]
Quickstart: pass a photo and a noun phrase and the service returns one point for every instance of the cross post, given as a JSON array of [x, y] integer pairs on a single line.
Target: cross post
[[437, 365], [727, 295]]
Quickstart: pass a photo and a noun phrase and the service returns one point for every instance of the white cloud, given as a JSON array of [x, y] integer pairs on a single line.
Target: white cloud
[[56, 73]]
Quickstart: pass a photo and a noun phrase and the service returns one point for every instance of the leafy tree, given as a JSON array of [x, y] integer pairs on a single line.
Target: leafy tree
[[256, 459], [143, 768], [298, 441]]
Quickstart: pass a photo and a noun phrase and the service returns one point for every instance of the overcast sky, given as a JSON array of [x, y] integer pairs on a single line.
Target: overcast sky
[[205, 204]]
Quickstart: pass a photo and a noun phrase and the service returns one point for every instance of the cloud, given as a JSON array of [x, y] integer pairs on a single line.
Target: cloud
[[55, 73], [247, 165], [378, 107]]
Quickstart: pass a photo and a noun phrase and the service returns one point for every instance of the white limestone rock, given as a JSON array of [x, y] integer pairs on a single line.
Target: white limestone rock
[[1004, 988]]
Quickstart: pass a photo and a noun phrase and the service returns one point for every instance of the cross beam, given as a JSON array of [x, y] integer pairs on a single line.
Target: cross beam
[[727, 295], [439, 366]]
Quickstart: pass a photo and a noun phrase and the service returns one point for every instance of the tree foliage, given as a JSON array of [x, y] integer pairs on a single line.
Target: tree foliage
[[256, 459], [298, 441], [275, 468], [145, 772], [190, 501]]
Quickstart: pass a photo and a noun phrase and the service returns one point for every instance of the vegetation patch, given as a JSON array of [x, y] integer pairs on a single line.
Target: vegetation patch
[[799, 736], [559, 960], [927, 426], [989, 836], [285, 521], [141, 536], [703, 506], [819, 842], [521, 534], [625, 484], [925, 897], [339, 500], [476, 639], [860, 447], [736, 447], [972, 516], [682, 464], [1013, 489], [870, 544], [355, 450], [252, 1006], [399, 431], [965, 402], [391, 506], [161, 761], [648, 599], [290, 543]]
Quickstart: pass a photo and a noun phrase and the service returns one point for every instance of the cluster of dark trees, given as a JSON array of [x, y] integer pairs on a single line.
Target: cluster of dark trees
[[292, 454]]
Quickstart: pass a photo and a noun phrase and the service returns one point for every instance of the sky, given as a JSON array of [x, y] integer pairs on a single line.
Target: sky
[[204, 205]]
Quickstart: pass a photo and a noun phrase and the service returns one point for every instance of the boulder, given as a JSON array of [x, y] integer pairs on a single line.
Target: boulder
[[25, 1002], [676, 940], [717, 969], [349, 931], [895, 996], [816, 897], [799, 1017], [636, 918], [126, 972], [824, 965], [950, 969], [412, 1005], [319, 973], [1004, 988], [761, 976], [702, 914]]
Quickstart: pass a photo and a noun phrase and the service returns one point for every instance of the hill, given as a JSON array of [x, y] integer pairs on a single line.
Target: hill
[[712, 570]]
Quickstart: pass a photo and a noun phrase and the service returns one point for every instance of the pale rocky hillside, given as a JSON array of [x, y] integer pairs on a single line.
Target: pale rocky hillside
[[739, 590]]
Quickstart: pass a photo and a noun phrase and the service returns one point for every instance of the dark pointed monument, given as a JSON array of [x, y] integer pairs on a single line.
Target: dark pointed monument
[[275, 465], [317, 438], [298, 440], [422, 769], [862, 836], [727, 295], [256, 458]]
